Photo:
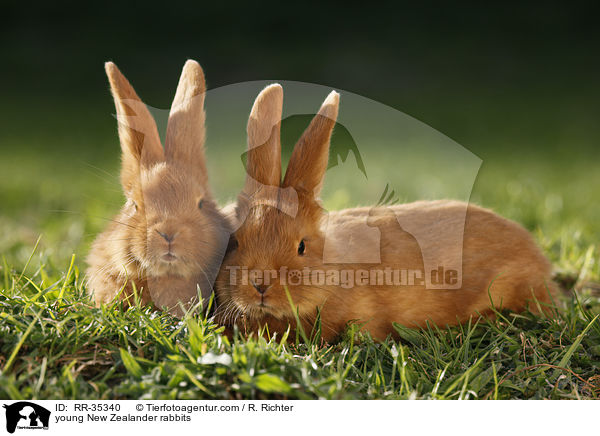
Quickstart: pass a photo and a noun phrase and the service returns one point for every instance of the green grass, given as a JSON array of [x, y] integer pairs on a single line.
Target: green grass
[[55, 344], [59, 189]]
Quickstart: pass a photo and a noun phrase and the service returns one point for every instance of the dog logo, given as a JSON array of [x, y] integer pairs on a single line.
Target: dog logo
[[26, 415]]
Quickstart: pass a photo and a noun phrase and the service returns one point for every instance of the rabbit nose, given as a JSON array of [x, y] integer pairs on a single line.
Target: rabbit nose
[[260, 288], [167, 237]]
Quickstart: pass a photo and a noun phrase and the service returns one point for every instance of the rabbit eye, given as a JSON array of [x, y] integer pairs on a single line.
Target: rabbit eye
[[301, 248], [135, 206], [232, 245], [200, 203]]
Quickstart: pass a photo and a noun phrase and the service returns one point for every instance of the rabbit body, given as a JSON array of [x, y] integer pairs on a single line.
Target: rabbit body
[[501, 267]]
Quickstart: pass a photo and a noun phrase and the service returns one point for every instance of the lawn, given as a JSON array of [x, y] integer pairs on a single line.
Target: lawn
[[59, 184]]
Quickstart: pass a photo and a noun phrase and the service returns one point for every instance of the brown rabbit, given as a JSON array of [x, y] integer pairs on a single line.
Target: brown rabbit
[[169, 238], [284, 229]]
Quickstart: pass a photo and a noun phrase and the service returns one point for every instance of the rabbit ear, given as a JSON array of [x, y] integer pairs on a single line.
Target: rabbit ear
[[264, 145], [308, 163], [139, 138], [185, 129]]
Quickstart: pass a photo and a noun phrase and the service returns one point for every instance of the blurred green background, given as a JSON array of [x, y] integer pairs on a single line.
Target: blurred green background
[[518, 85]]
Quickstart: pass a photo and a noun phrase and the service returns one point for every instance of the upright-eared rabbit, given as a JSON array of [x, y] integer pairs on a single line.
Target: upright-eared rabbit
[[286, 236], [169, 238]]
